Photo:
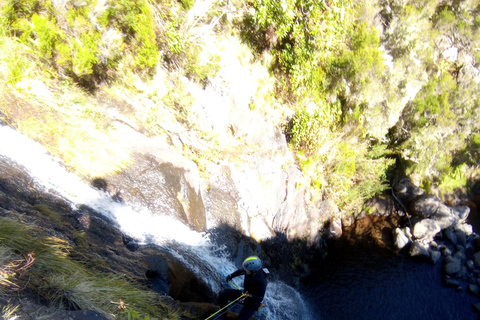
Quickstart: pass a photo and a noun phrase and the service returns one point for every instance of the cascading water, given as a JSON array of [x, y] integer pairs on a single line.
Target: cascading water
[[193, 248]]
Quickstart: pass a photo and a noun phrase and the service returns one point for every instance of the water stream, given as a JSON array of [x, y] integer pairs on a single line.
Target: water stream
[[193, 249]]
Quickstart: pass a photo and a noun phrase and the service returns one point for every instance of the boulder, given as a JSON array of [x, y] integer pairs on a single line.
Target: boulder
[[335, 229], [426, 229], [461, 213], [417, 249], [406, 190], [401, 237], [444, 216], [452, 283], [453, 267], [473, 289], [425, 206], [450, 235], [435, 256]]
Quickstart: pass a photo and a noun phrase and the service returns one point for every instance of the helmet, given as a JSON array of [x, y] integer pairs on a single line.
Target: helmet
[[252, 263]]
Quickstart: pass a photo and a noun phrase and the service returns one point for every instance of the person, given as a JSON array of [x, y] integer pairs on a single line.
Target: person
[[254, 284]]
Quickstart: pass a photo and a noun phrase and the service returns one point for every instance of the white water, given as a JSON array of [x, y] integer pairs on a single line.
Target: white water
[[192, 248]]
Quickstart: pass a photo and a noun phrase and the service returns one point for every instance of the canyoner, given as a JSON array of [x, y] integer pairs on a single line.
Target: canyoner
[[254, 288]]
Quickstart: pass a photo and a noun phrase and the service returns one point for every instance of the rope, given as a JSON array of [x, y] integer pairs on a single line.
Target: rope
[[231, 303], [236, 286]]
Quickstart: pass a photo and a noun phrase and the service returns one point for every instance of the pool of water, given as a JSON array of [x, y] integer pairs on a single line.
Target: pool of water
[[359, 283]]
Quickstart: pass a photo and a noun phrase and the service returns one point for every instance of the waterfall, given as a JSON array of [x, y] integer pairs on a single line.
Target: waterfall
[[193, 249]]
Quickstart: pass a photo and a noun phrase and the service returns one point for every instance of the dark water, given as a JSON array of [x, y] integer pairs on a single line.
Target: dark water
[[367, 284]]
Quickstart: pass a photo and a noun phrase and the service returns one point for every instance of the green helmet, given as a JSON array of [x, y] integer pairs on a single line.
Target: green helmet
[[252, 263]]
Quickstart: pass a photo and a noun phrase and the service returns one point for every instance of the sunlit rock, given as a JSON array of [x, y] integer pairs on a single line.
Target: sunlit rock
[[417, 249], [426, 229], [400, 237]]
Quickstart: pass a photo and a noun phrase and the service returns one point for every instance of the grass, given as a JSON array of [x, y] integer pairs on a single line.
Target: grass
[[30, 260]]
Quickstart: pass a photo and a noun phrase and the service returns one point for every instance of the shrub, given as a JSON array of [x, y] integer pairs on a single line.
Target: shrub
[[135, 19]]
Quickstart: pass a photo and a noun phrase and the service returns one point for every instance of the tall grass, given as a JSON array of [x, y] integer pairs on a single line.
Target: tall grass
[[33, 261]]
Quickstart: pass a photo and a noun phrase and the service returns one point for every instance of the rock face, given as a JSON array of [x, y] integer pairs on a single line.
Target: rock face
[[260, 198]]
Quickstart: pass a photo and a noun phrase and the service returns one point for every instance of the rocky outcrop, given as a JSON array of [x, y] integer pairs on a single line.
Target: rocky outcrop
[[429, 216], [440, 233]]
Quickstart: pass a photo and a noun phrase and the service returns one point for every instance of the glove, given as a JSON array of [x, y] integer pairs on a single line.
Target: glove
[[229, 278]]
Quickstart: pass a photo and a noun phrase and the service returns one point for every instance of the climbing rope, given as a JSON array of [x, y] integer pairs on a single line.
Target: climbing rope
[[236, 286], [226, 307]]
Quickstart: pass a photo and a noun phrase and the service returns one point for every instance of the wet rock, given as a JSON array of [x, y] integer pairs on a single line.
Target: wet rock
[[450, 235], [473, 289], [435, 256], [453, 267], [445, 251], [460, 255], [452, 283], [470, 265], [461, 237]]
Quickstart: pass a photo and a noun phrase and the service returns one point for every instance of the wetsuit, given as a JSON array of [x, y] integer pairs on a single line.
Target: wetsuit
[[254, 284]]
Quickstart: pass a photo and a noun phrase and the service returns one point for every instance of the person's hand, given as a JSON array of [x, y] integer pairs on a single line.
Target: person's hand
[[229, 278]]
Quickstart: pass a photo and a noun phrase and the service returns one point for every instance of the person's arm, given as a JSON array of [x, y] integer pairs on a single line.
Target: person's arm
[[237, 273]]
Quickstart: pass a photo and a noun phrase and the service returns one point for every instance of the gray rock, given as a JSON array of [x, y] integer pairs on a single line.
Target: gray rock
[[470, 265], [461, 237], [461, 213], [445, 251], [425, 206], [400, 237], [448, 259], [417, 249], [473, 289], [426, 229], [435, 256], [445, 217], [453, 267], [450, 235], [335, 229], [449, 282], [460, 255]]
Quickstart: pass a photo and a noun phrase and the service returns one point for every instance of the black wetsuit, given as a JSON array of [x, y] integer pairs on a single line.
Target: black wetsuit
[[254, 284]]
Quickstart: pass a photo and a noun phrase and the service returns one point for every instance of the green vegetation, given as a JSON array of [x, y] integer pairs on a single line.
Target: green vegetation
[[347, 79], [32, 261]]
